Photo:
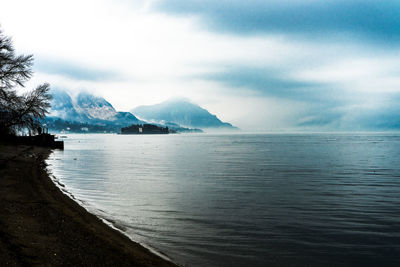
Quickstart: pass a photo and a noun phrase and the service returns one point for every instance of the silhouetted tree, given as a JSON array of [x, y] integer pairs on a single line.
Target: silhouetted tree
[[17, 111]]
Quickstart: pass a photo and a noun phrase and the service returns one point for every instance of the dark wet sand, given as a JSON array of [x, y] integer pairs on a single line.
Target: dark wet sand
[[39, 225]]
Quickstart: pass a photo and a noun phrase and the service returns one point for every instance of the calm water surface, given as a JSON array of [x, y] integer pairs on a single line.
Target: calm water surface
[[244, 200]]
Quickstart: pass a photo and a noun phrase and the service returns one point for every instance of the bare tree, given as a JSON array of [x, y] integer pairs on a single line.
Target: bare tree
[[17, 111]]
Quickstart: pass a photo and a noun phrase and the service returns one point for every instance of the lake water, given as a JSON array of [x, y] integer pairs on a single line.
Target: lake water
[[244, 199]]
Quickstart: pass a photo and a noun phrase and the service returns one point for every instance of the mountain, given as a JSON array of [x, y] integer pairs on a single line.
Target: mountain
[[87, 108], [62, 107], [181, 112]]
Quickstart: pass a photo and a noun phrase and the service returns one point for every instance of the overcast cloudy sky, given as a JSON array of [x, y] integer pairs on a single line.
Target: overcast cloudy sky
[[261, 65]]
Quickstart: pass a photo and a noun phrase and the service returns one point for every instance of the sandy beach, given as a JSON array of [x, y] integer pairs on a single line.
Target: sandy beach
[[39, 225]]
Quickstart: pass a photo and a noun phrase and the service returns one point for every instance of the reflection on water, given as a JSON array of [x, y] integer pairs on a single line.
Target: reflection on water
[[234, 200]]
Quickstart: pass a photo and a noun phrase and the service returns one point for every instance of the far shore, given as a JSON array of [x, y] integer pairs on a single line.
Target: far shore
[[41, 226]]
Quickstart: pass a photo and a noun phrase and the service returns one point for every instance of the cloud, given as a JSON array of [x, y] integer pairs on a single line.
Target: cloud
[[73, 71], [266, 82], [258, 64], [376, 20], [374, 112]]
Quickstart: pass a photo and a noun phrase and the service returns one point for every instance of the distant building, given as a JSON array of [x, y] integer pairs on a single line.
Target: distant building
[[145, 129]]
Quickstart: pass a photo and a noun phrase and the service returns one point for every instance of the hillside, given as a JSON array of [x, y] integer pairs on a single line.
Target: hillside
[[87, 108], [181, 112]]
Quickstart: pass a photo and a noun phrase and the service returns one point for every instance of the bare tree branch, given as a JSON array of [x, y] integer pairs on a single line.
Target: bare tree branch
[[19, 111]]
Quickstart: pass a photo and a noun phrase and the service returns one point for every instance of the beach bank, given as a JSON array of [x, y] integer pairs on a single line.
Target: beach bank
[[39, 225]]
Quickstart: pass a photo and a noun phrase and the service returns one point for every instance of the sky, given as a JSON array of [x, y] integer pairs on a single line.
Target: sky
[[275, 65]]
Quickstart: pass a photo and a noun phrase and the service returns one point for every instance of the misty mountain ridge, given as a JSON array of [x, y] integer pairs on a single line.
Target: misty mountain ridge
[[87, 108], [182, 112]]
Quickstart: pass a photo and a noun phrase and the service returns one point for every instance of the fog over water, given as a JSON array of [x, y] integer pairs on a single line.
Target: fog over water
[[244, 199]]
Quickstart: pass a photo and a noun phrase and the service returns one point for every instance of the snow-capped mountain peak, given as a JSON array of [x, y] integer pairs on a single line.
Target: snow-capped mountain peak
[[87, 108]]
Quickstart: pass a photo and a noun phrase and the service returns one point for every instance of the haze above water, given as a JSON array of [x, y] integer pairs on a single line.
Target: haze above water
[[244, 200]]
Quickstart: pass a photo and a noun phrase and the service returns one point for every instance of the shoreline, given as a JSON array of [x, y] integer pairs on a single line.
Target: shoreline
[[108, 221], [41, 225]]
